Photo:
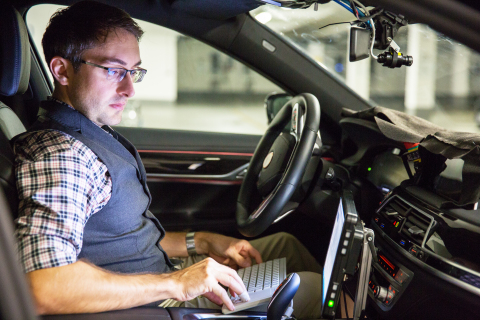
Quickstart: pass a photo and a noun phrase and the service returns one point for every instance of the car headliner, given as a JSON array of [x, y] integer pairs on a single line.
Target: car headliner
[[457, 19]]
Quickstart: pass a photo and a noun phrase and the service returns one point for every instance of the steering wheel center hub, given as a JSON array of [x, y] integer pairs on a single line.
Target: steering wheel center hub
[[268, 160]]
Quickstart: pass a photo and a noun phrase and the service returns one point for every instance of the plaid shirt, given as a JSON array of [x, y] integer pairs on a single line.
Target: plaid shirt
[[61, 183]]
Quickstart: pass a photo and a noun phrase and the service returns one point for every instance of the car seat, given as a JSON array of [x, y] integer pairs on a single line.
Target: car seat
[[16, 302], [14, 78]]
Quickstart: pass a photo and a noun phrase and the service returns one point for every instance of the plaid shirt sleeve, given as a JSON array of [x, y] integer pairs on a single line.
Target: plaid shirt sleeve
[[60, 183]]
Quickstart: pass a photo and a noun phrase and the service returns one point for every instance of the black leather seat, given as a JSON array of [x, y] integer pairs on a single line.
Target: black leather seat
[[14, 78]]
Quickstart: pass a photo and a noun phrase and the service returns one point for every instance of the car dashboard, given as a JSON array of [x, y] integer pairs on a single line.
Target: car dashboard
[[427, 252]]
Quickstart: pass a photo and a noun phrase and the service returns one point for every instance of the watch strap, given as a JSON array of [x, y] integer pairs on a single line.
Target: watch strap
[[189, 239]]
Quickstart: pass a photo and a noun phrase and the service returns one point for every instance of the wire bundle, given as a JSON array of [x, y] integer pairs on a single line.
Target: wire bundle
[[351, 5]]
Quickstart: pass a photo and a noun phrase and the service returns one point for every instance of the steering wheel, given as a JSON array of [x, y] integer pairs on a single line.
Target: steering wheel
[[273, 174]]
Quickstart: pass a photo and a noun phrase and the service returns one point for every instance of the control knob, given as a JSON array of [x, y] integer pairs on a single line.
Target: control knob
[[380, 293]]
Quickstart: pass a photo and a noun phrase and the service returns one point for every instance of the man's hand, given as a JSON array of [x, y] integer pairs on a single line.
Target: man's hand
[[229, 251], [203, 278], [81, 287]]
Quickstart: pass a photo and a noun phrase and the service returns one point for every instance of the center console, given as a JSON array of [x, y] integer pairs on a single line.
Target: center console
[[423, 267]]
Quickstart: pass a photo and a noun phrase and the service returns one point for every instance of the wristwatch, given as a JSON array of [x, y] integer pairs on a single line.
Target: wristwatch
[[191, 250]]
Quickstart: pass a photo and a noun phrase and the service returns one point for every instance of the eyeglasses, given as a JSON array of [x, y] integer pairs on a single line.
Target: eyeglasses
[[117, 74]]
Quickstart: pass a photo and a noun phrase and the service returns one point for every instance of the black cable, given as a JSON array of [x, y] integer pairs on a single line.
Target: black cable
[[348, 290], [354, 9], [365, 19], [331, 24], [345, 301]]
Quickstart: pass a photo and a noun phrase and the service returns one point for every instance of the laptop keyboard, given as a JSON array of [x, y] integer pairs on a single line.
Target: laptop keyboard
[[261, 280]]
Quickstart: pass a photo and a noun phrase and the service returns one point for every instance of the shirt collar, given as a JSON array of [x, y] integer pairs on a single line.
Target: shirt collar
[[109, 130], [50, 98]]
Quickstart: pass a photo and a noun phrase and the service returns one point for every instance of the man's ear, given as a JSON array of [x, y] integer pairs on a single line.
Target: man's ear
[[61, 69]]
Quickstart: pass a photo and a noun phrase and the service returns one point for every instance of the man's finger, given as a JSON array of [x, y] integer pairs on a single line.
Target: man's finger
[[230, 279], [213, 297], [255, 254], [242, 261], [220, 292]]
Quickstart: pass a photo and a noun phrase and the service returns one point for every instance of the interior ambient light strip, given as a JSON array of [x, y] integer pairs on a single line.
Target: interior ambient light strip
[[200, 152]]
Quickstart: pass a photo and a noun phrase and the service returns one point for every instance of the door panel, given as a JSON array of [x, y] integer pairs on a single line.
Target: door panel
[[194, 177]]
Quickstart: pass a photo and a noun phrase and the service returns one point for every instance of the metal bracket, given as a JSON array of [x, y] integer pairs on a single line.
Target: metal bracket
[[368, 251]]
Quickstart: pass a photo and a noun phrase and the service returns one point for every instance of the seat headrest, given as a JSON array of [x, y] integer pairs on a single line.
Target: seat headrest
[[14, 53]]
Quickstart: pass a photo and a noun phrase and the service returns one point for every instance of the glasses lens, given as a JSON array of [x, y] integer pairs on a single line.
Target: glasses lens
[[116, 74], [137, 75]]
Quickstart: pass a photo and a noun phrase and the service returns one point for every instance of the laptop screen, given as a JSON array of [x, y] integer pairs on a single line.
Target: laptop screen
[[342, 254], [332, 249]]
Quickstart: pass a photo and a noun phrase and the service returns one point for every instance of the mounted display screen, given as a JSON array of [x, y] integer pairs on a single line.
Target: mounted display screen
[[332, 249], [339, 253]]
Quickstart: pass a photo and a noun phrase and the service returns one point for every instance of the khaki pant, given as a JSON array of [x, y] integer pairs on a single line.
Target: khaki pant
[[307, 302]]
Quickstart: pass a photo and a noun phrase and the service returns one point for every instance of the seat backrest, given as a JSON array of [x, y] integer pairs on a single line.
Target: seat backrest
[[14, 78], [10, 124], [7, 174], [16, 301]]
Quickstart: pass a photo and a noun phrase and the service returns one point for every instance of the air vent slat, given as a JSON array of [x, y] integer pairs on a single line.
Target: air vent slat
[[415, 226], [421, 224], [402, 210]]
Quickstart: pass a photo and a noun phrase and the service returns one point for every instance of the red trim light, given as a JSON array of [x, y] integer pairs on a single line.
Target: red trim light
[[387, 261], [193, 180]]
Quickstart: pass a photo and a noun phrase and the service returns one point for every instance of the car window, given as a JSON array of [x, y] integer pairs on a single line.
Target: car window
[[189, 85], [441, 86]]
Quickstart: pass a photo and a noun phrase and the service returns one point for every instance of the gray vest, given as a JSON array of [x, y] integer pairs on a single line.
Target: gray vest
[[124, 236]]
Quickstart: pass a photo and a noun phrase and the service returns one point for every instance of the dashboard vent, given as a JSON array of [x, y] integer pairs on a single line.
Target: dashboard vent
[[416, 226], [394, 211], [411, 223]]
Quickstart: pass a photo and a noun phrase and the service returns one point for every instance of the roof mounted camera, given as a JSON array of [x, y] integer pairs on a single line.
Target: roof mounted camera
[[384, 26], [373, 29]]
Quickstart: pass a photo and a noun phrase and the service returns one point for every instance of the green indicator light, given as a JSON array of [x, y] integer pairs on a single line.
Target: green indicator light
[[369, 169], [330, 303]]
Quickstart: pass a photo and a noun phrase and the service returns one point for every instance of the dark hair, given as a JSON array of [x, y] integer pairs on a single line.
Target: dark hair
[[83, 26]]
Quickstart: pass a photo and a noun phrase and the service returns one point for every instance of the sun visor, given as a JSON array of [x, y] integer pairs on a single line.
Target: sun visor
[[215, 9], [436, 144]]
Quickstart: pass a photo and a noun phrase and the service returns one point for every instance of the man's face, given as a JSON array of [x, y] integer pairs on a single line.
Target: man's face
[[89, 91]]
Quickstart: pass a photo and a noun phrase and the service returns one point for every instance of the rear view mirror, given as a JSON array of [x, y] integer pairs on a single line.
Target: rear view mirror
[[274, 102], [359, 43]]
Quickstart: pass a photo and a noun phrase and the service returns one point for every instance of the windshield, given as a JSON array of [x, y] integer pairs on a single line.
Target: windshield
[[441, 86]]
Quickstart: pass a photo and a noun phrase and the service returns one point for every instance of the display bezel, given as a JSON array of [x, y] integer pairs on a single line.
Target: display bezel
[[332, 286]]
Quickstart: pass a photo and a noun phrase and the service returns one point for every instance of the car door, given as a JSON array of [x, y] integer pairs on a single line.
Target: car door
[[194, 177]]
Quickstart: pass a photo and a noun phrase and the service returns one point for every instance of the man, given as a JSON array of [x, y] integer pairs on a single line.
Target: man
[[86, 238]]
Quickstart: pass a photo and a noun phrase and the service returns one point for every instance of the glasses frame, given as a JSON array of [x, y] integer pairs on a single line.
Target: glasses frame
[[144, 71]]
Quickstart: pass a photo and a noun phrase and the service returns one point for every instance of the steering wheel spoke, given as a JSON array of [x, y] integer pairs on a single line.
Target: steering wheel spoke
[[278, 164], [297, 122]]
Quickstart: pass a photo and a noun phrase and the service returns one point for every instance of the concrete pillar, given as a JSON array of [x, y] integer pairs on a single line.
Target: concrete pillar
[[460, 71], [158, 51], [357, 75], [316, 50], [420, 77]]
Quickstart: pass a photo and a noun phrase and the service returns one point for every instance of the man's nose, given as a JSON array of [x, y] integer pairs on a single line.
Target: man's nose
[[125, 87]]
